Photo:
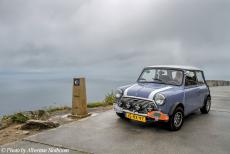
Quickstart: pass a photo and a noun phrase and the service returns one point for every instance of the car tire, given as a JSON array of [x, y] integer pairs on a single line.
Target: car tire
[[207, 105], [121, 115], [176, 120]]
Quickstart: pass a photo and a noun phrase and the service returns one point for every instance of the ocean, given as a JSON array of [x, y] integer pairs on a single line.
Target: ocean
[[31, 92]]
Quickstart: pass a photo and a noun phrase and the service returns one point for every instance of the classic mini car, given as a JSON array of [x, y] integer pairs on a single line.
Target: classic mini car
[[164, 93]]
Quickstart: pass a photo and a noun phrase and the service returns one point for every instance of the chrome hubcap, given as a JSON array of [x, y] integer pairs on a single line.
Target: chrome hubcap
[[178, 119], [208, 105]]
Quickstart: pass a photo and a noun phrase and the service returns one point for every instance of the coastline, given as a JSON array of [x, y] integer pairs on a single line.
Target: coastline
[[12, 127], [13, 131]]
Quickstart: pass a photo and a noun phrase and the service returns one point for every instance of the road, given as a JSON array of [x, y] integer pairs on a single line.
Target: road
[[106, 133]]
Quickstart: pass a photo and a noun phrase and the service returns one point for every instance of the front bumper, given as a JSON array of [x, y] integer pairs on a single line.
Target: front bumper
[[152, 116]]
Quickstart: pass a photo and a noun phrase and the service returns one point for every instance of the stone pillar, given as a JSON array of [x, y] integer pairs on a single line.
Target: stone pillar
[[79, 98]]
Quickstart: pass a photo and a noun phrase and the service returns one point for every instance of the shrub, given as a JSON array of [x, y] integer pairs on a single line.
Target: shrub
[[19, 118], [110, 98]]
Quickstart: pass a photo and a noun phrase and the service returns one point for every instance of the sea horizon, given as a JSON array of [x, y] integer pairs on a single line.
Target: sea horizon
[[23, 92]]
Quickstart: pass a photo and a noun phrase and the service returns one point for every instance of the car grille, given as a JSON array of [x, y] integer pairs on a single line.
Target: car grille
[[143, 104]]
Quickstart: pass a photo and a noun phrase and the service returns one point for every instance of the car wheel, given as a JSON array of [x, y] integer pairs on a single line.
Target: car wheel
[[176, 120], [121, 115], [207, 105]]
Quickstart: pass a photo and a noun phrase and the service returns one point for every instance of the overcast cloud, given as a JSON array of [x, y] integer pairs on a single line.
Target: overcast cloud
[[114, 38]]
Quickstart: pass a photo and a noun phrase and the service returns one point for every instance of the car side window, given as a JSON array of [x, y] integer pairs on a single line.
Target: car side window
[[190, 79], [200, 78]]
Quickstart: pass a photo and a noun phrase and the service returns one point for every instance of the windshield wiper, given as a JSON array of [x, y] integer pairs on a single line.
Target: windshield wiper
[[142, 79], [158, 80]]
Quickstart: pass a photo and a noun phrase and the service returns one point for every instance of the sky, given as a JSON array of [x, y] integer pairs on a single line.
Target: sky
[[113, 39]]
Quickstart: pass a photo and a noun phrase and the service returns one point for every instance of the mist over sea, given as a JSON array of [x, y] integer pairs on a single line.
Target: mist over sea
[[23, 92]]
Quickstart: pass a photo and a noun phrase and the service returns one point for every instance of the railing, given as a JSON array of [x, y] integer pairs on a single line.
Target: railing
[[215, 83]]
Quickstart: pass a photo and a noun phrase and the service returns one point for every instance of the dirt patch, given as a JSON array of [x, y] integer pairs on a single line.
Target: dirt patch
[[100, 109], [14, 132]]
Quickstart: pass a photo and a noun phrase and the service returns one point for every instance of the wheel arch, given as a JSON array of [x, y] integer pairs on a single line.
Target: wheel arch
[[206, 98], [177, 104]]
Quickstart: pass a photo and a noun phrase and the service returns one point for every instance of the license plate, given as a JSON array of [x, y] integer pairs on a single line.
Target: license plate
[[135, 117]]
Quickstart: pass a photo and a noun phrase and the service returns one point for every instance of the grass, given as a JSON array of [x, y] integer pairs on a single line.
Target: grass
[[7, 120], [109, 100], [19, 118], [95, 104], [56, 109], [22, 117]]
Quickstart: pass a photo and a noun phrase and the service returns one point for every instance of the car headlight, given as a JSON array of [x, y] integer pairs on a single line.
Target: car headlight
[[118, 93], [159, 99]]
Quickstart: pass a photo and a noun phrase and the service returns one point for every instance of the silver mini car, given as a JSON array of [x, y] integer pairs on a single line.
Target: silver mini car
[[164, 93]]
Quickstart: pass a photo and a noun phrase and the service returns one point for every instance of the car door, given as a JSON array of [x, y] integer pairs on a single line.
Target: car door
[[202, 88], [192, 96]]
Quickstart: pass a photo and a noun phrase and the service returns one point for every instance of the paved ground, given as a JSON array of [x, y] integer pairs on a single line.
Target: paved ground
[[106, 133]]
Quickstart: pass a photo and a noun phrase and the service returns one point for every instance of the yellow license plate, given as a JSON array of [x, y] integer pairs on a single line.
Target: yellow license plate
[[135, 117]]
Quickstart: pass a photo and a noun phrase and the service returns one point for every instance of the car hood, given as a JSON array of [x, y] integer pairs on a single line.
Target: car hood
[[147, 90]]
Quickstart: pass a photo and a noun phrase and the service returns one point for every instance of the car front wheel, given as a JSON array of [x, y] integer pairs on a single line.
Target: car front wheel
[[176, 120]]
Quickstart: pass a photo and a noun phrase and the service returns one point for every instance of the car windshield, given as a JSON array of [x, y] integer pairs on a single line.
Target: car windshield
[[162, 75]]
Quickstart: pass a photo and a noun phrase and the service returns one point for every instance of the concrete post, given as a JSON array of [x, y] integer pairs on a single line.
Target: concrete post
[[79, 98]]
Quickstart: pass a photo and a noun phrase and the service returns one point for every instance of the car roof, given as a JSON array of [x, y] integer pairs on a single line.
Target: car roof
[[181, 67]]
